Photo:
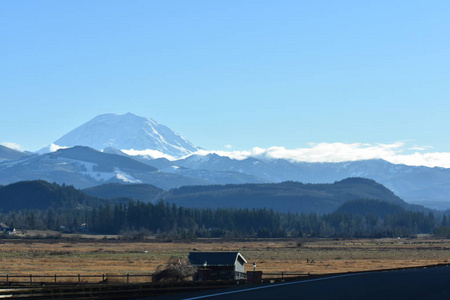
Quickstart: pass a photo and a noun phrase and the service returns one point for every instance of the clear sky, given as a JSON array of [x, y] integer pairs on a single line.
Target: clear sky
[[230, 74]]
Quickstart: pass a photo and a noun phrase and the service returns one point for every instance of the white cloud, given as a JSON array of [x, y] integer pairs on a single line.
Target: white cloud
[[153, 154], [12, 146], [421, 148], [228, 146], [432, 159], [340, 152], [54, 147]]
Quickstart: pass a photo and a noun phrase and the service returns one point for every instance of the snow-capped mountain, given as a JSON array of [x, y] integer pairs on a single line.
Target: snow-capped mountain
[[113, 136], [126, 132]]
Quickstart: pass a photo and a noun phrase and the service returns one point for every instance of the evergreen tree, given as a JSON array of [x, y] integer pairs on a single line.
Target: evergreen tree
[[444, 221]]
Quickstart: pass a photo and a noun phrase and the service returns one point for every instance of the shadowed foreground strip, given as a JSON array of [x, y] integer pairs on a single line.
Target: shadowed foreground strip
[[425, 283]]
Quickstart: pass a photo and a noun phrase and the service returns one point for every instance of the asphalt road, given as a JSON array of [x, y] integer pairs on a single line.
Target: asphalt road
[[430, 283]]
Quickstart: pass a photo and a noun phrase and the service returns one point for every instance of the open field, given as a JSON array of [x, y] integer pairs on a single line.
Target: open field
[[116, 257]]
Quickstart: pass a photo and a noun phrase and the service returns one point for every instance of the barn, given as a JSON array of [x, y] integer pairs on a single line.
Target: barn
[[218, 265]]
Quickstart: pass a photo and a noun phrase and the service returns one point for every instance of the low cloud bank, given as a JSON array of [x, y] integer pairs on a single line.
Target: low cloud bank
[[149, 153], [397, 153]]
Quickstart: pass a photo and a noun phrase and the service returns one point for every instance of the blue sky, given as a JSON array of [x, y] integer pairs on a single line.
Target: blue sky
[[239, 73]]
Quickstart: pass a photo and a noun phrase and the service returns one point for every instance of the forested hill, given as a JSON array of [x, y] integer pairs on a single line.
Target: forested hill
[[140, 192], [42, 195], [284, 197], [365, 207], [352, 212]]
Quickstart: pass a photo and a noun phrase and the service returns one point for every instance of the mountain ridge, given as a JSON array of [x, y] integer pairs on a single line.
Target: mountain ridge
[[7, 153], [111, 134], [84, 167]]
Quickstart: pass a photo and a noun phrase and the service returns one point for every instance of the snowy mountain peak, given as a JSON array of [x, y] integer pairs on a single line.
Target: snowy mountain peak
[[128, 132]]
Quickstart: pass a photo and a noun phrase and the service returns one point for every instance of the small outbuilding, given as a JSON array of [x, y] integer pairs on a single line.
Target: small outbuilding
[[6, 229], [218, 265]]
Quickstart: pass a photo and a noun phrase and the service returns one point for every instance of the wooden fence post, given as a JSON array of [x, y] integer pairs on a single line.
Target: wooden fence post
[[78, 276]]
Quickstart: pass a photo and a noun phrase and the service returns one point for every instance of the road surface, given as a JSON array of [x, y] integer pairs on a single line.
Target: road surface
[[428, 284]]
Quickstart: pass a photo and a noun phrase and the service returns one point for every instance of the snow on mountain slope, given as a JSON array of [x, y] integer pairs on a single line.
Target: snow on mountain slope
[[84, 167], [128, 132]]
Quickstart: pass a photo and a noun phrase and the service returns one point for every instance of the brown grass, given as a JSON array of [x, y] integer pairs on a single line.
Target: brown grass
[[94, 257]]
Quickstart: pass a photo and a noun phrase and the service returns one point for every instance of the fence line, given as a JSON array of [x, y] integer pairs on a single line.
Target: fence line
[[284, 274], [124, 278], [54, 278]]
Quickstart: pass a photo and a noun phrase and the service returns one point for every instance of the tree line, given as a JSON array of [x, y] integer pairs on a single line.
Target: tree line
[[169, 220]]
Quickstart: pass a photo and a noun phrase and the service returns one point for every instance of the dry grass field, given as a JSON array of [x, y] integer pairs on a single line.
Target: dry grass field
[[115, 257]]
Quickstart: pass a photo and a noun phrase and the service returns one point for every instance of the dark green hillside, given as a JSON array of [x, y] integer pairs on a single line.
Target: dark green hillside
[[284, 197], [365, 207], [363, 187], [141, 192], [42, 195], [42, 205]]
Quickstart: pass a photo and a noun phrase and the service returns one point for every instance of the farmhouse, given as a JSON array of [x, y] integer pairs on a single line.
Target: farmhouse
[[218, 265], [6, 229]]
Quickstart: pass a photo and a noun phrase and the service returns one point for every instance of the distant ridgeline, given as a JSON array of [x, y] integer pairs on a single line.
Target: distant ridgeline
[[287, 196], [353, 207]]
